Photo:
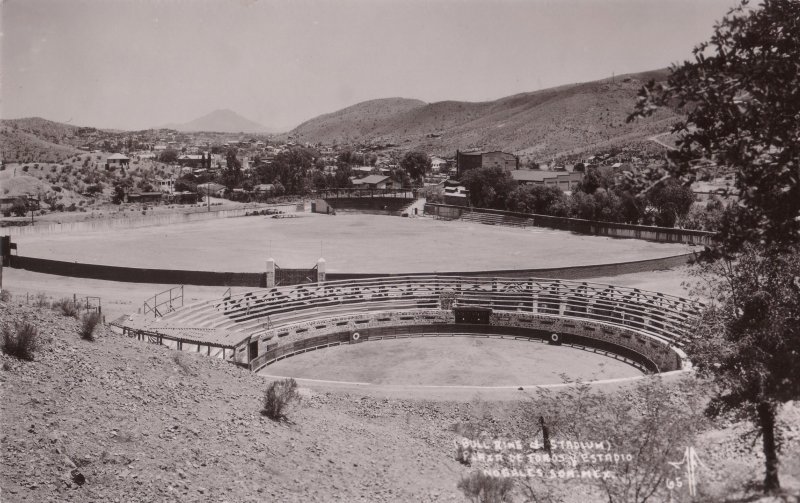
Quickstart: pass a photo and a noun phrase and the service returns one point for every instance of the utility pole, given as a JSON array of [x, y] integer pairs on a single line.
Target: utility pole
[[28, 200]]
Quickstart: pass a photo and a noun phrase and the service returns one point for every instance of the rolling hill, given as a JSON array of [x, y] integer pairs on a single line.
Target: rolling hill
[[38, 140], [223, 121], [564, 120], [355, 122]]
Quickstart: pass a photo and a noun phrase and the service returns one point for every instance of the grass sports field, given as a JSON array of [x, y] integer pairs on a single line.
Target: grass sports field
[[349, 243], [451, 361]]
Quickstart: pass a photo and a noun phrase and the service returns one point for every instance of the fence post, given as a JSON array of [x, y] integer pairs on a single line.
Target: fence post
[[270, 272], [321, 270]]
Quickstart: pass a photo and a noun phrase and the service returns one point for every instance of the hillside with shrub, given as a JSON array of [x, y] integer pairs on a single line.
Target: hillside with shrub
[[77, 183], [559, 121], [107, 418], [23, 145]]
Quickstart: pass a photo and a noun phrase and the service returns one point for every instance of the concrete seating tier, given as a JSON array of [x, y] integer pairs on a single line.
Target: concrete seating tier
[[660, 316], [393, 205], [490, 219]]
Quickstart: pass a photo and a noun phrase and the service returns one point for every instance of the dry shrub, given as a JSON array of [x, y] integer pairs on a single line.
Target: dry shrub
[[21, 341], [278, 397], [41, 301], [89, 322], [5, 296], [469, 431], [481, 488], [66, 307], [183, 363]]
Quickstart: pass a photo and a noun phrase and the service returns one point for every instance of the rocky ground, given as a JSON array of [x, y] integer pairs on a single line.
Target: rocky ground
[[143, 423], [121, 420]]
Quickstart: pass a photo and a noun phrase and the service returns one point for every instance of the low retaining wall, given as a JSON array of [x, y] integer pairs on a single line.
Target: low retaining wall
[[650, 353], [139, 275], [590, 227], [258, 280], [570, 272], [139, 221]]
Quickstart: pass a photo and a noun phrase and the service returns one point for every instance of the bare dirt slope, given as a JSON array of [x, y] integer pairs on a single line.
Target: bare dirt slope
[[143, 423]]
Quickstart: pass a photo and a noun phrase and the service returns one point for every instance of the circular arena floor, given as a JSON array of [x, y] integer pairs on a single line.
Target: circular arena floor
[[349, 243], [451, 361]]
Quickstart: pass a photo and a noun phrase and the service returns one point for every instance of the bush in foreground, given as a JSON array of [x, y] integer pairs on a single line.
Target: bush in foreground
[[41, 300], [66, 307], [89, 322], [278, 397], [21, 341], [481, 488]]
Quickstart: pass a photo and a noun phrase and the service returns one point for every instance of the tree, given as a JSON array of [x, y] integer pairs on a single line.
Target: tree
[[603, 205], [289, 168], [120, 189], [540, 199], [168, 156], [742, 96], [672, 202], [94, 189], [119, 194], [654, 420], [594, 179], [232, 175], [748, 339], [742, 92], [488, 187], [185, 184], [416, 164], [19, 207]]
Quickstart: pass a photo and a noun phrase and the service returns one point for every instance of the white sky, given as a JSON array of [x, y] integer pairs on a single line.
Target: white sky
[[135, 64]]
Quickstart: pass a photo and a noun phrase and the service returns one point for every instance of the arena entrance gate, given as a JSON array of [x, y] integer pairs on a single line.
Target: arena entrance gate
[[285, 277]]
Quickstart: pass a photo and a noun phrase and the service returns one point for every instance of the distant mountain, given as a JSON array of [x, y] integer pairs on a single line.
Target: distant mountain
[[563, 120], [221, 121]]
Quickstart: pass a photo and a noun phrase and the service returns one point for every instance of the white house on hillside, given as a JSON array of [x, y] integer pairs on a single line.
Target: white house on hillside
[[115, 161], [438, 164], [166, 185]]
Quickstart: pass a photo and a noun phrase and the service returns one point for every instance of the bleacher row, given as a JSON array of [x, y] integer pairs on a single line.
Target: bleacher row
[[491, 219], [657, 314], [393, 205]]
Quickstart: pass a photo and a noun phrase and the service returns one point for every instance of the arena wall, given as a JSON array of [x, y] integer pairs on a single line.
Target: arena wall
[[138, 275], [645, 351], [579, 226], [258, 280], [137, 221]]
